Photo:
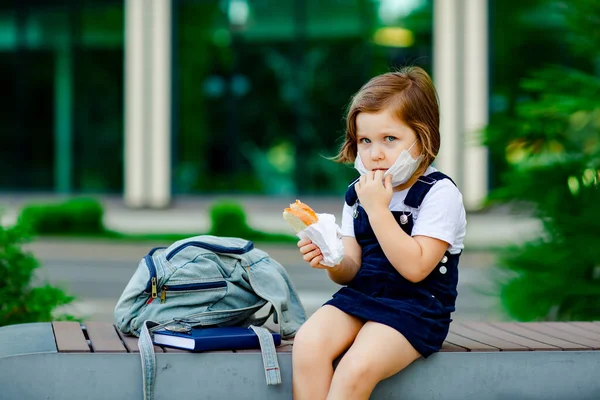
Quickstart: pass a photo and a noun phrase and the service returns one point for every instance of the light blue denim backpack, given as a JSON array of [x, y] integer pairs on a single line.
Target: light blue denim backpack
[[208, 281]]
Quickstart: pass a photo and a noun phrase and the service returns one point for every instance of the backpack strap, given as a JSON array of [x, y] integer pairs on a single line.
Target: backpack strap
[[148, 360], [271, 282], [269, 355], [148, 357], [421, 187]]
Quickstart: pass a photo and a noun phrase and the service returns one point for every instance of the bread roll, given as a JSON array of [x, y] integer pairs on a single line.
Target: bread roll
[[299, 216]]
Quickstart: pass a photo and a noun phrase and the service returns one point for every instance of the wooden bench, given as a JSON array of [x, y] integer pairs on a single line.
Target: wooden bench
[[68, 360]]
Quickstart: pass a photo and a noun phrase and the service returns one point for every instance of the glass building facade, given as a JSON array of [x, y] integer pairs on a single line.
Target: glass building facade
[[259, 87], [259, 90]]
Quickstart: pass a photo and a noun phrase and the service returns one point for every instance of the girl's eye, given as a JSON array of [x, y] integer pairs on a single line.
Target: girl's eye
[[364, 140], [390, 138]]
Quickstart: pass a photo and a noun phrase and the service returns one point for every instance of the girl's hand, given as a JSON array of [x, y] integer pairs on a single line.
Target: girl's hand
[[311, 253], [373, 191]]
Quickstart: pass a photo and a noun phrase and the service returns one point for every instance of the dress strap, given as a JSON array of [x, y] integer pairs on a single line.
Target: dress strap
[[415, 195], [421, 187], [351, 196]]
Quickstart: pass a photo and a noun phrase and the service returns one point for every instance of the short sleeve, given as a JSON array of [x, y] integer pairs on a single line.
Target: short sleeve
[[347, 221], [442, 215]]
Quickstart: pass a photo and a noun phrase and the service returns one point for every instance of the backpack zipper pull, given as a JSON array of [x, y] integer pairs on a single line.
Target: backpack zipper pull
[[154, 291], [163, 295]]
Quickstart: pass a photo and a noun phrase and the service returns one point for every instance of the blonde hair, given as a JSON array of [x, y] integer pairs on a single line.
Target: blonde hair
[[410, 94]]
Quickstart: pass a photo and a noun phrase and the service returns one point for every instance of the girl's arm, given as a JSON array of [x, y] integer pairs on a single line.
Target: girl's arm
[[342, 273], [413, 257]]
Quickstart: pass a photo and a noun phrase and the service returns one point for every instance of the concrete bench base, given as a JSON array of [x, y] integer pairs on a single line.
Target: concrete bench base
[[449, 376], [33, 368]]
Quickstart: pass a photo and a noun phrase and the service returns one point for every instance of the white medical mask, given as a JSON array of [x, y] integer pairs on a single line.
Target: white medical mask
[[403, 168]]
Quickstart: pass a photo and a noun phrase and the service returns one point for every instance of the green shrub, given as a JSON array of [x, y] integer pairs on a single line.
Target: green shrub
[[229, 219], [21, 302], [75, 216]]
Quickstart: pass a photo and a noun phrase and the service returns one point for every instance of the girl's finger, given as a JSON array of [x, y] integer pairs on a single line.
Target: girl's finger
[[387, 182], [308, 257], [316, 262], [304, 242], [308, 248]]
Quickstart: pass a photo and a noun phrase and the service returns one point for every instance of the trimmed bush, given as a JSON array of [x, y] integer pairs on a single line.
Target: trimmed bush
[[22, 303], [229, 219], [75, 216]]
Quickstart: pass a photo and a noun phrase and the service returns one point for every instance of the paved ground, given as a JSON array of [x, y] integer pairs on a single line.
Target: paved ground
[[97, 271]]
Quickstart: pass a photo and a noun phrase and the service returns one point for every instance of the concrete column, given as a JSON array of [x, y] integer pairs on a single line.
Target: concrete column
[[460, 74], [446, 76], [147, 103], [134, 181], [161, 61], [476, 95]]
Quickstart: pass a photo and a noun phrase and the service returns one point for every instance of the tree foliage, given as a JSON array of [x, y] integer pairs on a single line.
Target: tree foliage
[[552, 148]]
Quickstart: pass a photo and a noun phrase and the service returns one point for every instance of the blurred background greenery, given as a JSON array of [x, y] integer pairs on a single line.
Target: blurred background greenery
[[252, 102], [548, 139], [260, 88]]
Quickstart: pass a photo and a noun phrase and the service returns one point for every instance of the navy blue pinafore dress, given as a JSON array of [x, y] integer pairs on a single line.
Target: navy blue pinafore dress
[[420, 311]]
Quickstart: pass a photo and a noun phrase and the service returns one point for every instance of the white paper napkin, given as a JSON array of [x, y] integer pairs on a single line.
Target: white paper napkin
[[326, 234]]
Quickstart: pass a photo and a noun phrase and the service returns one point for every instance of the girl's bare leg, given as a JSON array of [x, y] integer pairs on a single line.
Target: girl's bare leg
[[377, 353], [326, 334]]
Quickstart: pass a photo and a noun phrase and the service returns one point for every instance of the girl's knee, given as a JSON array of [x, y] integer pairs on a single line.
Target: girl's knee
[[354, 371], [310, 339]]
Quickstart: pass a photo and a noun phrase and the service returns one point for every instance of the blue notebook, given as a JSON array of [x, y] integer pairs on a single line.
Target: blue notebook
[[206, 339]]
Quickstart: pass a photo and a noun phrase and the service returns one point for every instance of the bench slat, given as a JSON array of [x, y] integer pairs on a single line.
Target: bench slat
[[572, 328], [448, 347], [131, 343], [104, 338], [588, 326], [467, 343], [486, 328], [517, 329], [490, 340], [69, 337], [547, 328], [284, 348], [463, 336]]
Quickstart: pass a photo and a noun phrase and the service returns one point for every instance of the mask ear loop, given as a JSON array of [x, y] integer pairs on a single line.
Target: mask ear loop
[[411, 146]]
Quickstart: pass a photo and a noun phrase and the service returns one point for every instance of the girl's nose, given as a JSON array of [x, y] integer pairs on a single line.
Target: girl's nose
[[376, 153]]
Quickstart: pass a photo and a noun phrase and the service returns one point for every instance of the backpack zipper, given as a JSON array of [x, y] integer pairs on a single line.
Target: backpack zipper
[[152, 284], [190, 287]]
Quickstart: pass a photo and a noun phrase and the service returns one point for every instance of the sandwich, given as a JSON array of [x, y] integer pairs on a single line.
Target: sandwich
[[299, 216]]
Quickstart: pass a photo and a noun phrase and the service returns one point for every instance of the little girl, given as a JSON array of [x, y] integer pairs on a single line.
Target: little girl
[[403, 227]]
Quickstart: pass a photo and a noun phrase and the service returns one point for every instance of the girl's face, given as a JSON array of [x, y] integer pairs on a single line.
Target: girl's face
[[381, 137]]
